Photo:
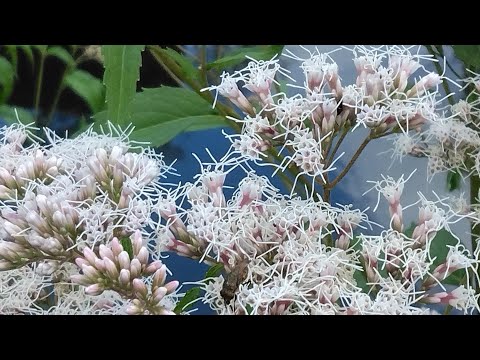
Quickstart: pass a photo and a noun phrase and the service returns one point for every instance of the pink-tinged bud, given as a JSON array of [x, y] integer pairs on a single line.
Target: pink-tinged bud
[[166, 312], [11, 229], [152, 267], [102, 156], [95, 289], [59, 219], [124, 260], [100, 264], [7, 178], [159, 294], [37, 222], [5, 192], [171, 286], [343, 242], [142, 256], [117, 248], [134, 310], [118, 178], [105, 252], [124, 277], [135, 268], [159, 277], [91, 273], [81, 261], [80, 279], [6, 265], [140, 288], [116, 154], [137, 242], [111, 268], [89, 255]]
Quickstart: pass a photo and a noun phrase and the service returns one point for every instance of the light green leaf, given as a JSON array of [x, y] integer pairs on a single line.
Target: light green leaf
[[7, 76], [122, 71], [126, 243], [61, 54], [7, 113], [260, 52], [190, 296], [88, 87]]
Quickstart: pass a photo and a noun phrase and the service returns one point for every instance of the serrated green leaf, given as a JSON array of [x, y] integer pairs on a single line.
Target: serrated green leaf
[[7, 77], [7, 113], [469, 54], [189, 71], [61, 54], [238, 56], [213, 272], [453, 180], [190, 296], [160, 114], [126, 243], [122, 71], [88, 87]]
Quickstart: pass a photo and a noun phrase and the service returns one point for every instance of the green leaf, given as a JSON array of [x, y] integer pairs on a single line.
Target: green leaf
[[160, 114], [469, 54], [88, 87], [122, 71], [13, 55], [249, 308], [213, 272], [7, 113], [189, 71], [455, 278], [438, 246], [7, 77], [126, 243], [238, 56], [190, 296], [27, 49], [453, 180], [61, 54]]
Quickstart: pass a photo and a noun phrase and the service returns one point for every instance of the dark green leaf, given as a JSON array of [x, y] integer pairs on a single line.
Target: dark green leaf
[[126, 243], [7, 113], [249, 308], [189, 297], [361, 279], [213, 271], [122, 71], [27, 49], [236, 57], [189, 71], [61, 54], [41, 48], [88, 87], [453, 180], [13, 55], [7, 77], [469, 54]]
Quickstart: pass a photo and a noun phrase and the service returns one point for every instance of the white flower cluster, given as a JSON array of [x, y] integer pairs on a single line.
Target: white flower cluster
[[382, 99], [288, 255], [69, 201]]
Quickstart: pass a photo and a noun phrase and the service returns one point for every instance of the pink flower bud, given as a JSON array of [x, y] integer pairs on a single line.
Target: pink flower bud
[[159, 277], [142, 256], [159, 294], [124, 260], [117, 248], [105, 252], [171, 286], [111, 268], [153, 267], [95, 289], [140, 288], [135, 268], [124, 277]]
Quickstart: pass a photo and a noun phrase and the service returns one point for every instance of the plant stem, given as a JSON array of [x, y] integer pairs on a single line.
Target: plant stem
[[335, 149], [439, 70], [350, 164], [475, 230], [39, 88]]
